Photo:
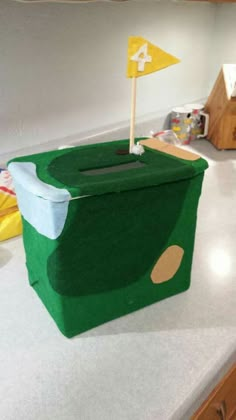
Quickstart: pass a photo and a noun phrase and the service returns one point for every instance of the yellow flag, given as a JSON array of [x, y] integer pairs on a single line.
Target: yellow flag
[[145, 58]]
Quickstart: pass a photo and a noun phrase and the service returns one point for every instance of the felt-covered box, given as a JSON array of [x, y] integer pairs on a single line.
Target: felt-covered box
[[107, 233]]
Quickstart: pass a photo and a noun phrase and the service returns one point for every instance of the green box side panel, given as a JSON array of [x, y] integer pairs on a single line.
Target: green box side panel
[[89, 276], [110, 241]]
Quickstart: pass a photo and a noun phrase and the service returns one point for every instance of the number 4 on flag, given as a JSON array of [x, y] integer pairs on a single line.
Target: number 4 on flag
[[142, 57]]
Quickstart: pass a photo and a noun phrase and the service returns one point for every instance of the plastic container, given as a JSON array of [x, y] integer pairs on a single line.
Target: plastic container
[[168, 136]]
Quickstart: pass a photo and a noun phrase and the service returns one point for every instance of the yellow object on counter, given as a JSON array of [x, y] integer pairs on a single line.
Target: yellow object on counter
[[10, 219], [10, 225]]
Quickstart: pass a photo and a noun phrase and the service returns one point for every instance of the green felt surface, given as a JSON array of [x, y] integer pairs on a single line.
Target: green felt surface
[[116, 237], [75, 314], [99, 267], [64, 168], [158, 168]]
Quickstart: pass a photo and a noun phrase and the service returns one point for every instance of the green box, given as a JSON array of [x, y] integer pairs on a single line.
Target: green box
[[101, 244]]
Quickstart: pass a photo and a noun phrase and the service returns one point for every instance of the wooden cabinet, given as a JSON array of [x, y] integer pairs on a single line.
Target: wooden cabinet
[[221, 404], [222, 110]]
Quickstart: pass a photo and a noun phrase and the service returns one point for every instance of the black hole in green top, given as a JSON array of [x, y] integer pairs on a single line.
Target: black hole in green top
[[111, 169]]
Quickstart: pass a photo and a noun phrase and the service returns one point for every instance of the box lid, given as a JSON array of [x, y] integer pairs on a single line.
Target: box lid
[[61, 175]]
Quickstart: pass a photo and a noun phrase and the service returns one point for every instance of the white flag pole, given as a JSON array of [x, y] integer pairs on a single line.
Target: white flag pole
[[133, 111]]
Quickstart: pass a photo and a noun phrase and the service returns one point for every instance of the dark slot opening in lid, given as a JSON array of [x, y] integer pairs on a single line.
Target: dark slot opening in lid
[[112, 169]]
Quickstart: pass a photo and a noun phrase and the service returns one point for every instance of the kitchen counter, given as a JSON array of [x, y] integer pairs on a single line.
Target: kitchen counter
[[158, 363]]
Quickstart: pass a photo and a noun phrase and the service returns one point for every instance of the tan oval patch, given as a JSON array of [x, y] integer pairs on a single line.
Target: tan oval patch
[[168, 264]]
